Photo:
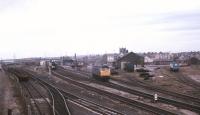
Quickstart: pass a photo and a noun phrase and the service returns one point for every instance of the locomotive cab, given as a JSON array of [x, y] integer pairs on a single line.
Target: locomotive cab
[[174, 67], [105, 71], [101, 72]]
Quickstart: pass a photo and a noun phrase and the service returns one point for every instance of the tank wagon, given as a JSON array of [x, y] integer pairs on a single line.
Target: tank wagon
[[101, 72], [174, 67]]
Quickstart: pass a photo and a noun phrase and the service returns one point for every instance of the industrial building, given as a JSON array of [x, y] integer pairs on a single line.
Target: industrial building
[[129, 58]]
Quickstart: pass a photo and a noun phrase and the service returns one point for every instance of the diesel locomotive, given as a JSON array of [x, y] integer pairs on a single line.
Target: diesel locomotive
[[174, 67], [101, 72]]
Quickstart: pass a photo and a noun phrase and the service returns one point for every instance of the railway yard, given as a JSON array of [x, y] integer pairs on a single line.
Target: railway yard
[[64, 91], [99, 57]]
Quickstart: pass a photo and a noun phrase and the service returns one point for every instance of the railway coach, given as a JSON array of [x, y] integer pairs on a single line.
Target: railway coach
[[101, 72]]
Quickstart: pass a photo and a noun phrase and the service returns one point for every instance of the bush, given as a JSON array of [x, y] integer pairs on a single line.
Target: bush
[[194, 61]]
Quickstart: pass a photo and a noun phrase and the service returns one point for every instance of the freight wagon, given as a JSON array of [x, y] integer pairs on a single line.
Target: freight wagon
[[19, 73]]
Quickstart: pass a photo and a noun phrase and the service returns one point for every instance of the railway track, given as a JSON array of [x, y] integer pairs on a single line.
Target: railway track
[[180, 104], [33, 96], [102, 110], [82, 102], [186, 80], [157, 89], [56, 109], [58, 106], [189, 106], [125, 100], [164, 91], [34, 105], [85, 103]]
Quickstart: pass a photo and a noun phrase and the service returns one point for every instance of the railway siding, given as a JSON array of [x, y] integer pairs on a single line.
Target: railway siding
[[117, 97], [177, 103]]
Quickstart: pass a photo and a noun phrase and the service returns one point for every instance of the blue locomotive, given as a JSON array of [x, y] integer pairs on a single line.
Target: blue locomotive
[[174, 67]]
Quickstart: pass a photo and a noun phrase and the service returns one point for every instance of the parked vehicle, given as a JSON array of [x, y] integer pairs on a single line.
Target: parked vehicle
[[113, 70], [142, 69]]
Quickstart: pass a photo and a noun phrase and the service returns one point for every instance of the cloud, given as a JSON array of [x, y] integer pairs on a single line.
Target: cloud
[[56, 27], [177, 21]]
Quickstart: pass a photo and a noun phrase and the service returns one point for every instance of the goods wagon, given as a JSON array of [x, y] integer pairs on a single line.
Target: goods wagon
[[19, 74]]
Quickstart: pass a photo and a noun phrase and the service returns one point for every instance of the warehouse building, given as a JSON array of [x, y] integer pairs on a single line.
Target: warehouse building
[[132, 58]]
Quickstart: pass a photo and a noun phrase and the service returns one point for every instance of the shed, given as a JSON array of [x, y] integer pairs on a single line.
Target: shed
[[66, 61], [132, 58]]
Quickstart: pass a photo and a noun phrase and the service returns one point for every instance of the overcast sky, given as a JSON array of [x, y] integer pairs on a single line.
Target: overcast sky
[[30, 28]]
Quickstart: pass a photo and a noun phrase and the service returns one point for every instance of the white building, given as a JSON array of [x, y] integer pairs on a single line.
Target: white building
[[148, 60]]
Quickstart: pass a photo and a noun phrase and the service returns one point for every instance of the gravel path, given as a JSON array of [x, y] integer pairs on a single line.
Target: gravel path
[[8, 98]]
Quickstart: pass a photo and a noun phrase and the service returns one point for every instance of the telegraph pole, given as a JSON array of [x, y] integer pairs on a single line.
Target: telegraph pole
[[49, 67], [1, 60], [76, 62]]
